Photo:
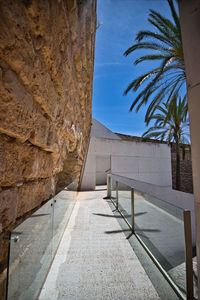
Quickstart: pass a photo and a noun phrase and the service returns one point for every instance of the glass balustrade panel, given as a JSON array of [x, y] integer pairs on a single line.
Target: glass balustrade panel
[[30, 254], [33, 245], [63, 206], [124, 201], [160, 226], [113, 186]]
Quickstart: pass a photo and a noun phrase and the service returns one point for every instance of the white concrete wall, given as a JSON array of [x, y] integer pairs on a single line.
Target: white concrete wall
[[98, 130], [144, 161], [103, 163]]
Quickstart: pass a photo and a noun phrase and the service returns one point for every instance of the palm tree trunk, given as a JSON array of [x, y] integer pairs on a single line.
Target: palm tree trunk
[[178, 174]]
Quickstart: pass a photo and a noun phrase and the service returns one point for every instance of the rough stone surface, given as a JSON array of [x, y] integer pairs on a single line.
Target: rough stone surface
[[4, 244], [29, 195], [46, 74], [23, 162]]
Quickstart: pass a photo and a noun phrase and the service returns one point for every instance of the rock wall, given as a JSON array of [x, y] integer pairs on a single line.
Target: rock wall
[[46, 73]]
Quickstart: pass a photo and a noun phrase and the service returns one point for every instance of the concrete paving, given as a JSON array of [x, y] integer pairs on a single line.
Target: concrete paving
[[93, 264]]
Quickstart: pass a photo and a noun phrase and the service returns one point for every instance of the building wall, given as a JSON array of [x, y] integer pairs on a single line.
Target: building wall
[[144, 161], [190, 24], [103, 164], [46, 73], [186, 184]]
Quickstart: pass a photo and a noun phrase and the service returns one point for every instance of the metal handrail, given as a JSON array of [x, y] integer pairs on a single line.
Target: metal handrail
[[183, 200]]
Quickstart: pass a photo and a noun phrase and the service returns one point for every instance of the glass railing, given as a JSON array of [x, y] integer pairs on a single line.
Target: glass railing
[[113, 190], [63, 205], [124, 201], [163, 229], [33, 245], [163, 234]]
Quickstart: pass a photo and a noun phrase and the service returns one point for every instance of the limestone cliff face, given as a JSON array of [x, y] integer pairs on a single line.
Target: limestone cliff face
[[46, 74]]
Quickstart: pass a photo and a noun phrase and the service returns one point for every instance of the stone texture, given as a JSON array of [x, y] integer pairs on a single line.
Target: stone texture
[[29, 195], [8, 204], [23, 162], [4, 244], [46, 74]]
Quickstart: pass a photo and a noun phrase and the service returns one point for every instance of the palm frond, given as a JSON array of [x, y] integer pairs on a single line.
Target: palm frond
[[171, 121], [149, 34], [150, 57], [165, 81], [175, 17], [151, 46]]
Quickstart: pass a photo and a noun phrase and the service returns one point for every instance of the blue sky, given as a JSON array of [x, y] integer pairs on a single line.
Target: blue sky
[[122, 19]]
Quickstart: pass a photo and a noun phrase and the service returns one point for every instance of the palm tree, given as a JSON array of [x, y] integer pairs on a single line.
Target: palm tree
[[171, 125], [166, 80]]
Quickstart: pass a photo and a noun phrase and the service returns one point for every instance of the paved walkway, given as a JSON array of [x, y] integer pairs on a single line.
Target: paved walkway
[[92, 264]]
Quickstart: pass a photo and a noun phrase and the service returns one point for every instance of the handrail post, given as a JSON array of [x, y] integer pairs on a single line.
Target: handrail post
[[188, 254], [132, 211], [117, 195], [108, 186]]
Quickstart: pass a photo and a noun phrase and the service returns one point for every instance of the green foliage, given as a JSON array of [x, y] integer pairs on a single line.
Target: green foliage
[[165, 81], [170, 122]]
